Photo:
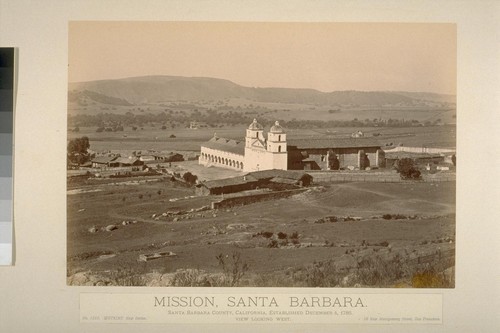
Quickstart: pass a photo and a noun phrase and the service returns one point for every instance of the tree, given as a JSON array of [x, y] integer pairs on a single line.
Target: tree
[[333, 161], [78, 150], [407, 169], [190, 178]]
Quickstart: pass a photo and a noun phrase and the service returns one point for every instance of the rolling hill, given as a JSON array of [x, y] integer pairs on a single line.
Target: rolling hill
[[158, 89]]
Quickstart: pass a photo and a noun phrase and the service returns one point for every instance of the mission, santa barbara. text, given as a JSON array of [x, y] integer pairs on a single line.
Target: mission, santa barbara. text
[[259, 301]]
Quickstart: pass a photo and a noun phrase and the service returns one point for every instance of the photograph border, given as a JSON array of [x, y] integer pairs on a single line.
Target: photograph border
[[40, 111]]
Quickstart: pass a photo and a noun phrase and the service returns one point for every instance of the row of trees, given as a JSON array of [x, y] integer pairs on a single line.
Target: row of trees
[[214, 118]]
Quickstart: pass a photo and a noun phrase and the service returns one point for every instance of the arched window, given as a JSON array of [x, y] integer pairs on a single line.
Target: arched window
[[279, 149], [241, 167], [279, 137]]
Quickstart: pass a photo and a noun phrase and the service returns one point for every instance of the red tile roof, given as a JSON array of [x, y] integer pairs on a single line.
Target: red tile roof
[[229, 145]]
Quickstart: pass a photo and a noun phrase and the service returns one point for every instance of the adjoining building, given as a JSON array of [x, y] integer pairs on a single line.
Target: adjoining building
[[258, 152], [225, 186], [320, 153], [268, 179]]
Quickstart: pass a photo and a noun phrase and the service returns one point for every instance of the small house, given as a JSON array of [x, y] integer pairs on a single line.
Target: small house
[[102, 161], [226, 186], [126, 162]]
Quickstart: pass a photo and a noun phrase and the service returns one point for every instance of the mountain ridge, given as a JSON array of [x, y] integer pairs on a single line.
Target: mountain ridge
[[163, 88]]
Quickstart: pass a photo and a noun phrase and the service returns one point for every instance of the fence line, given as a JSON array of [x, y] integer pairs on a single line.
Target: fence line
[[378, 177], [421, 150]]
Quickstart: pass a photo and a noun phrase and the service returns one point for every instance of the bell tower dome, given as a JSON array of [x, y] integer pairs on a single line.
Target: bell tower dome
[[276, 139], [255, 131]]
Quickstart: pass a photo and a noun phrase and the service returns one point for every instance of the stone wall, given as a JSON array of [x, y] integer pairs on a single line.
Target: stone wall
[[248, 199]]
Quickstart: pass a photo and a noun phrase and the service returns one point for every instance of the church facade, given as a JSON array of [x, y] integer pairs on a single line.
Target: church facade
[[254, 154]]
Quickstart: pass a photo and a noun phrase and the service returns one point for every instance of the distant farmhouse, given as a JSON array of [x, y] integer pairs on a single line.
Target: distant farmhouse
[[136, 160], [274, 152], [197, 125]]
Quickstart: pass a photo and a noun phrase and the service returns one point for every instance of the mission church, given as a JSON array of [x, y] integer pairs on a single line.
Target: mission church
[[259, 153], [254, 154]]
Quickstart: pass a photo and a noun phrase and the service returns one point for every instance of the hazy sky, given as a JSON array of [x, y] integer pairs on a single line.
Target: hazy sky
[[323, 56]]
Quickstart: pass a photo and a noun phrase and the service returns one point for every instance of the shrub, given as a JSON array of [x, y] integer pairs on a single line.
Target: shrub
[[265, 234], [406, 169], [190, 278], [375, 271], [128, 276], [429, 278], [322, 274], [282, 235], [273, 244], [189, 178], [233, 269]]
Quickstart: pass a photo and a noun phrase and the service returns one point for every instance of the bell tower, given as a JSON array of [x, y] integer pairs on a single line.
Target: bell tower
[[255, 148], [276, 139], [277, 147]]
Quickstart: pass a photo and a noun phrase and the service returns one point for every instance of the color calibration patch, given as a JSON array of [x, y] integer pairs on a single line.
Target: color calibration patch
[[6, 152]]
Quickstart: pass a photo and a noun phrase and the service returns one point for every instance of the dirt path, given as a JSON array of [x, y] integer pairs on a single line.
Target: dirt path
[[353, 187]]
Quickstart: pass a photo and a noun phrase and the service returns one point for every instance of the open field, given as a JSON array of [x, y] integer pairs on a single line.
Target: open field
[[335, 228], [190, 140]]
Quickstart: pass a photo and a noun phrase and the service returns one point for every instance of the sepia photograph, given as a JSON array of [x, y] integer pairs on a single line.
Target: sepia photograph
[[261, 154]]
